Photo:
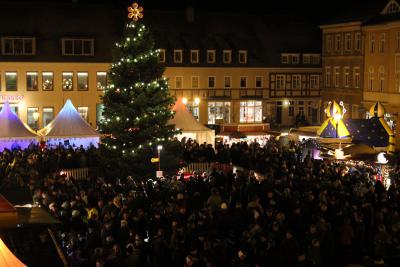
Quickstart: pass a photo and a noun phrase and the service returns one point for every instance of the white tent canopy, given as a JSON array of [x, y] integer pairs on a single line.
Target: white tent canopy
[[13, 132], [7, 258], [69, 125], [189, 126]]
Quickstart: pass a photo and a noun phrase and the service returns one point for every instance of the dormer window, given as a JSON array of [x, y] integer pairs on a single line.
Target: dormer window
[[227, 56], [284, 59], [194, 56], [161, 56], [210, 56], [295, 59], [77, 47], [23, 46], [178, 56], [242, 56]]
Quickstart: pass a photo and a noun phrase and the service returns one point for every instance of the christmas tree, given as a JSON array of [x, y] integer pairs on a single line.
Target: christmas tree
[[137, 105]]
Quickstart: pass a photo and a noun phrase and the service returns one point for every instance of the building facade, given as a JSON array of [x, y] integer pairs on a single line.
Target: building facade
[[228, 71], [361, 61]]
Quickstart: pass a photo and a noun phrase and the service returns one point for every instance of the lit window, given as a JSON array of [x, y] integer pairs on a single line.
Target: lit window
[[337, 76], [83, 81], [347, 42], [33, 117], [219, 112], [346, 76], [227, 81], [194, 56], [101, 82], [250, 111], [314, 81], [161, 56], [178, 56], [11, 81], [291, 108], [67, 81], [32, 81], [295, 59], [48, 115], [227, 56], [18, 46], [356, 79], [83, 111], [357, 41], [210, 56], [242, 56], [296, 81], [77, 47], [337, 42], [47, 81], [284, 59]]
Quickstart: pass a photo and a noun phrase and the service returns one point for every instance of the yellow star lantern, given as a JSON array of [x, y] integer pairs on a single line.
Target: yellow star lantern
[[135, 12]]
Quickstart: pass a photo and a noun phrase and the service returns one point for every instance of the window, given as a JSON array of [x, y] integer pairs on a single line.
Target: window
[[219, 112], [296, 81], [284, 59], [48, 115], [178, 56], [300, 107], [337, 76], [250, 111], [382, 43], [329, 43], [161, 56], [211, 81], [67, 81], [328, 77], [356, 79], [33, 117], [381, 78], [178, 82], [372, 43], [195, 81], [18, 46], [314, 81], [280, 82], [193, 108], [194, 56], [291, 108], [83, 81], [210, 56], [101, 80], [259, 81], [11, 81], [337, 42], [306, 59], [77, 47], [357, 41], [242, 56], [295, 59], [32, 81], [47, 81], [371, 78], [227, 56], [83, 111], [347, 42], [316, 59], [99, 113], [243, 82], [346, 76], [13, 107], [227, 81], [392, 8]]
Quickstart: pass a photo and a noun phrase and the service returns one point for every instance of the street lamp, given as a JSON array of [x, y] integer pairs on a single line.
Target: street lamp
[[159, 148], [337, 117]]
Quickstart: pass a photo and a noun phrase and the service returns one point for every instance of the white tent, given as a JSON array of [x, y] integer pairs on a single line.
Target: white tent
[[68, 127], [7, 258], [189, 126], [13, 132]]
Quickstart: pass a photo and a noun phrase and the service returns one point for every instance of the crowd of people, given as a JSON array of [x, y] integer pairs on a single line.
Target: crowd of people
[[304, 212]]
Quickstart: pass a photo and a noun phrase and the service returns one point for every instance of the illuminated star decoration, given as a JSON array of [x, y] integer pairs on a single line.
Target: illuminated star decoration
[[135, 12]]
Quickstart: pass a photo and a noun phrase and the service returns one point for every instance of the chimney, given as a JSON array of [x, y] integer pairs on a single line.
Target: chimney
[[189, 14]]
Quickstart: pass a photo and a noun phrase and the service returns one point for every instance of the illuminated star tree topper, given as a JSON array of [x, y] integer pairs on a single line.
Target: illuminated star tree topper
[[135, 12]]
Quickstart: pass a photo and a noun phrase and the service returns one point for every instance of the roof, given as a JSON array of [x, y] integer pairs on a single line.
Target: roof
[[184, 120], [68, 123], [11, 127], [369, 132]]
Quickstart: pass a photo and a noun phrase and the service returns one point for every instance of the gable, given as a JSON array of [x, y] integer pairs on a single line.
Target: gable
[[391, 7]]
